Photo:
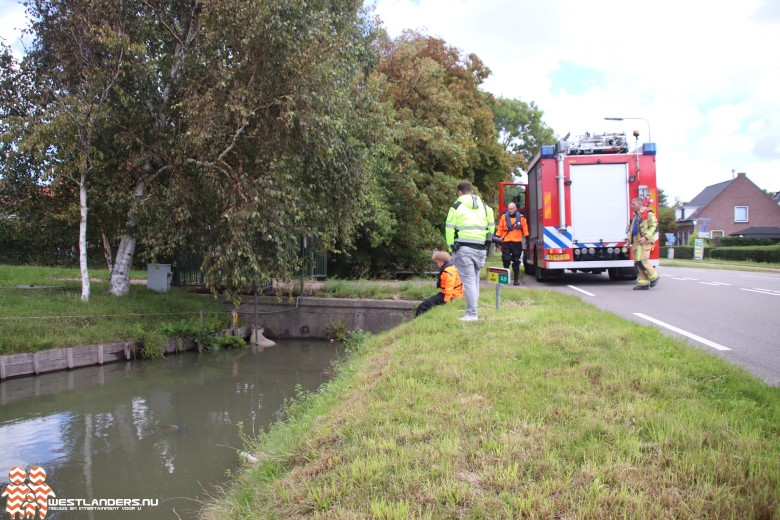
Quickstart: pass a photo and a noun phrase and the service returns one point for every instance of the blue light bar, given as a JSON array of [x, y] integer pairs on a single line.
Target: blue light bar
[[548, 152], [648, 149]]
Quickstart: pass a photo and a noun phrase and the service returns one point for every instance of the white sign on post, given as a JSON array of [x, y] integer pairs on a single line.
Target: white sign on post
[[698, 249]]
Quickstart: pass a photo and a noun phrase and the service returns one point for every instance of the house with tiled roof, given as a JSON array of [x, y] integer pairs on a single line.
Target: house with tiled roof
[[727, 208]]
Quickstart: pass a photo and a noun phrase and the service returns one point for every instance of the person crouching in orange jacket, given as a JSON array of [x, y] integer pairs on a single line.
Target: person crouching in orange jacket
[[448, 281]]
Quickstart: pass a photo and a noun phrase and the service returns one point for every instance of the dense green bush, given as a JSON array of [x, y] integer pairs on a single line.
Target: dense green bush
[[753, 253], [748, 241], [681, 252], [750, 254]]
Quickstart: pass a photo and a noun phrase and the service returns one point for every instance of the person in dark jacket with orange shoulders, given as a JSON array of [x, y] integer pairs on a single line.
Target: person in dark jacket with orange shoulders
[[448, 281], [512, 228]]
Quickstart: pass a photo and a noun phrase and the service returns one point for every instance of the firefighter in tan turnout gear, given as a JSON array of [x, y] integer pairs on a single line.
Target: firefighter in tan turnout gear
[[641, 236]]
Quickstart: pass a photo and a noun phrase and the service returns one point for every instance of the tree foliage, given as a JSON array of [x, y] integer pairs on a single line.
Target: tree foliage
[[230, 128], [666, 220], [38, 220], [439, 131], [521, 129]]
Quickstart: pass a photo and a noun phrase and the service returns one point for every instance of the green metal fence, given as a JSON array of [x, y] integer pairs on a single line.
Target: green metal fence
[[186, 271]]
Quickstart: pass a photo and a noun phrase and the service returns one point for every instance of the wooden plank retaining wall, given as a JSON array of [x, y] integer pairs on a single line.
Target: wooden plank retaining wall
[[15, 365]]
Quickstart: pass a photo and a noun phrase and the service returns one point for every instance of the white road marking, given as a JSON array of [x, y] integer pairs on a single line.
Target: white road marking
[[714, 283], [582, 291], [684, 279], [687, 334], [775, 278], [763, 291]]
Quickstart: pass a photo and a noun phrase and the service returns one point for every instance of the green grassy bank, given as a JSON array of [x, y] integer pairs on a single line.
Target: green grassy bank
[[35, 318], [546, 408]]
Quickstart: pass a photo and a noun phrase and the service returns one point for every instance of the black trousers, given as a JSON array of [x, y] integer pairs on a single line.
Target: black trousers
[[430, 303], [512, 252]]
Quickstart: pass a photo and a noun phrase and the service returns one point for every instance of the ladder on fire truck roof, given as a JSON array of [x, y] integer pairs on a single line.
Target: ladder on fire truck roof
[[588, 144]]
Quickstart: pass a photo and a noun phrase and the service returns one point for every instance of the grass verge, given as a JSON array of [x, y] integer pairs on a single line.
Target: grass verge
[[416, 289], [33, 319], [547, 408]]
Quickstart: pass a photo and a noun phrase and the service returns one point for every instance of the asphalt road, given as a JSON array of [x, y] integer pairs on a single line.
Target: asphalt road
[[734, 314]]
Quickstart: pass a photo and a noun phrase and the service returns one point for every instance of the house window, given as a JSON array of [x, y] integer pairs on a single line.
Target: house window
[[740, 213], [717, 233]]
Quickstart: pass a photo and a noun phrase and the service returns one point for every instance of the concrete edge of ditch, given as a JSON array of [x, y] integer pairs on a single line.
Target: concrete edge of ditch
[[296, 318], [307, 317]]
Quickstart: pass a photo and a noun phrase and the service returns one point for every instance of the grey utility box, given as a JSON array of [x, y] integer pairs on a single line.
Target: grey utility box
[[158, 277]]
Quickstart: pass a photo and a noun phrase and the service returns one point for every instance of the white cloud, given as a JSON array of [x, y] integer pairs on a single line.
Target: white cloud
[[704, 75]]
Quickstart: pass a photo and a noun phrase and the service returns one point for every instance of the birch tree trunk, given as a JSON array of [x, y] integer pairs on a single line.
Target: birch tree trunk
[[83, 238], [120, 275]]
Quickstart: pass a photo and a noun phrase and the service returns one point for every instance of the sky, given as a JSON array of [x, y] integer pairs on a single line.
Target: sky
[[703, 77]]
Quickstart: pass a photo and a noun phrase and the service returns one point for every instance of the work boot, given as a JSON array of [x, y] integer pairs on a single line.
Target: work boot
[[641, 287], [655, 282]]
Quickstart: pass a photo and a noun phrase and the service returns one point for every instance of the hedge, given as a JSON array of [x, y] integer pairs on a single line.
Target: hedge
[[748, 241], [747, 253]]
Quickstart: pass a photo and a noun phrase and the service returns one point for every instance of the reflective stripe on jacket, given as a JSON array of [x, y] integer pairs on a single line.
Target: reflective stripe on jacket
[[509, 230], [449, 282], [469, 221]]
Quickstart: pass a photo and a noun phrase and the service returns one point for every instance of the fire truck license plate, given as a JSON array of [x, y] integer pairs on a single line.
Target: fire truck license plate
[[557, 257]]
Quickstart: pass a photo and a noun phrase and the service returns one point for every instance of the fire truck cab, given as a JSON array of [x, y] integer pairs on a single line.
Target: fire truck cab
[[578, 205]]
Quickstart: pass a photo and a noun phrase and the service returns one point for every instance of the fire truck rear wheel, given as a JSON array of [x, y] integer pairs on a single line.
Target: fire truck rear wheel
[[528, 268]]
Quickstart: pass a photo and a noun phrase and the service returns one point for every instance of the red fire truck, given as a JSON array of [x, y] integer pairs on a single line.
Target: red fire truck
[[578, 205]]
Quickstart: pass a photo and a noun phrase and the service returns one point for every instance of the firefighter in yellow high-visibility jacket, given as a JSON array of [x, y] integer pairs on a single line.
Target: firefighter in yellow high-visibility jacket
[[641, 236]]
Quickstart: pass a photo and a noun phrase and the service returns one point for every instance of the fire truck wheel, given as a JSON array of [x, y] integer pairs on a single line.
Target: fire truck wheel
[[528, 268]]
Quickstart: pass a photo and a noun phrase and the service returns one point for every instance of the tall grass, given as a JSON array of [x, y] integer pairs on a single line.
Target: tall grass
[[34, 318], [546, 408], [406, 290]]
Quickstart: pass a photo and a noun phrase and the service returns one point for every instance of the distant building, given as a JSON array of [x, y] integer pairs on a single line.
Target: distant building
[[727, 208], [758, 232]]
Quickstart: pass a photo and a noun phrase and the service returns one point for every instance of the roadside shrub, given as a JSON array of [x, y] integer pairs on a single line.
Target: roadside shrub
[[153, 346], [356, 340], [751, 253], [152, 342], [181, 329], [230, 342], [748, 254], [748, 241], [682, 252], [336, 331]]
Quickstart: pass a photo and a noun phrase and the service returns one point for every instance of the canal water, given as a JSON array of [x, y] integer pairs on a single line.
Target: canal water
[[116, 439]]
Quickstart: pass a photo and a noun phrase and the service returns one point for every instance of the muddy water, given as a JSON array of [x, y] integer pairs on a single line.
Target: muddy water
[[148, 439]]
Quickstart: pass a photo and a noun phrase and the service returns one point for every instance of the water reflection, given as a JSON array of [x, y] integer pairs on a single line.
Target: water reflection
[[165, 430]]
